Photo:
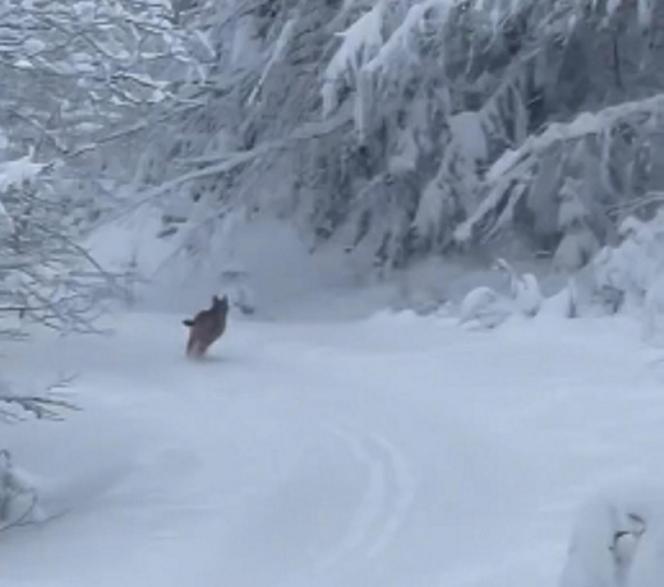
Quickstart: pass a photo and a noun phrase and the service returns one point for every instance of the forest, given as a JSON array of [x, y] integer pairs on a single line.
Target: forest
[[484, 177]]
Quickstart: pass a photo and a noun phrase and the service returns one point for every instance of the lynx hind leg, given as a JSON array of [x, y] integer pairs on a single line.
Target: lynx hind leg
[[203, 346], [193, 347]]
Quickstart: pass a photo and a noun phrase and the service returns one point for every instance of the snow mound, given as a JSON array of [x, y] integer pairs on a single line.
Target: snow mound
[[485, 307], [635, 268], [490, 308], [618, 540]]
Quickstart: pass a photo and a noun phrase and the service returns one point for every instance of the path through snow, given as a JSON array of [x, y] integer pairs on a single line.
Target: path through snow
[[395, 451]]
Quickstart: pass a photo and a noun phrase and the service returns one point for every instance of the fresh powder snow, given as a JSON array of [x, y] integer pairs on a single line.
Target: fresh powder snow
[[388, 450], [438, 226]]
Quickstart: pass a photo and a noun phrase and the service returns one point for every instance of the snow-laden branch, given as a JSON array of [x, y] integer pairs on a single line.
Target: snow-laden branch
[[512, 175], [226, 162], [46, 276], [47, 405], [360, 43], [278, 53]]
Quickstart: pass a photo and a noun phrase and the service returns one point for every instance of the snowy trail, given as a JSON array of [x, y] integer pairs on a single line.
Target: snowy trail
[[395, 451]]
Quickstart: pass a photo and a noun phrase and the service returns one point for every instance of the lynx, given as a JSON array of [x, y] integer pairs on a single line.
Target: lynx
[[206, 327]]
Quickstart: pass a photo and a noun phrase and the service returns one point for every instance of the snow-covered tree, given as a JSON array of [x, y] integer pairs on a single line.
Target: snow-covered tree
[[19, 499], [82, 83], [392, 129], [45, 275], [82, 80], [635, 269], [388, 129]]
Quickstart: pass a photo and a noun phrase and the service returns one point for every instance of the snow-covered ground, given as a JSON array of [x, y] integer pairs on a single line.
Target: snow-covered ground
[[389, 451]]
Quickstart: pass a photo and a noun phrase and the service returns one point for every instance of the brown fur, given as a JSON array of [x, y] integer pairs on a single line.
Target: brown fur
[[206, 327]]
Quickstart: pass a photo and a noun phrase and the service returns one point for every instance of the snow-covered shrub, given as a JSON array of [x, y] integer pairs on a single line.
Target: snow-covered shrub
[[424, 301], [45, 275], [653, 319], [617, 541], [578, 244], [44, 404], [562, 304], [489, 308], [485, 307], [524, 289], [18, 499], [633, 271]]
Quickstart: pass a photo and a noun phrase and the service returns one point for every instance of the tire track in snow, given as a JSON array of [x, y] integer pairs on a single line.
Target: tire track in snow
[[371, 505], [404, 484], [385, 502]]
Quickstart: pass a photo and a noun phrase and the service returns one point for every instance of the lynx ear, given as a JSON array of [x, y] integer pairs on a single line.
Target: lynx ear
[[188, 322]]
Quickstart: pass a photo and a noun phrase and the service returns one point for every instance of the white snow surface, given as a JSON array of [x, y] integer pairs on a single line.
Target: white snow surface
[[394, 450]]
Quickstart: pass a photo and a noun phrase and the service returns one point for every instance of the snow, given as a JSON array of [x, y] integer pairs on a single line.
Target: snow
[[15, 173], [520, 166], [635, 267], [468, 132], [34, 45], [527, 294], [17, 496], [6, 222], [485, 307], [645, 10], [361, 42], [278, 54], [584, 124], [488, 308], [390, 450], [654, 308], [616, 538]]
